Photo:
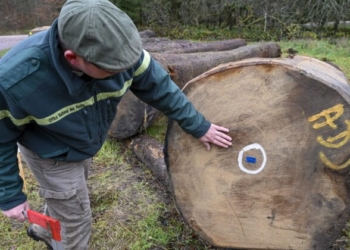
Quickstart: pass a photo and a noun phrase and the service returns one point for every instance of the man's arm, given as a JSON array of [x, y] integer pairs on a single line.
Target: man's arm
[[155, 87], [12, 199]]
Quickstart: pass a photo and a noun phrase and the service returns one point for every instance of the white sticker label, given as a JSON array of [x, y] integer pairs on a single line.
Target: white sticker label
[[247, 148]]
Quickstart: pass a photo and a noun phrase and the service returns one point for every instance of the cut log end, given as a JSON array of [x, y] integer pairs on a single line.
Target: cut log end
[[283, 183]]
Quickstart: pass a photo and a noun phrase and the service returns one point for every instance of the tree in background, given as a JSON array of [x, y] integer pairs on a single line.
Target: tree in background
[[286, 17], [132, 7]]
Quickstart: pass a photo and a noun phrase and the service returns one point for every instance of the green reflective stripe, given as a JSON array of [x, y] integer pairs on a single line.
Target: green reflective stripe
[[145, 63], [60, 114], [102, 96], [63, 112], [18, 122]]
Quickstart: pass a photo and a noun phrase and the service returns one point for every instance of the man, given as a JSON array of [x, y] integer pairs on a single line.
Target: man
[[59, 90]]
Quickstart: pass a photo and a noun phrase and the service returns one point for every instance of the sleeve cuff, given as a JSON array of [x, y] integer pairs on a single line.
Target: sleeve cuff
[[14, 202], [202, 130]]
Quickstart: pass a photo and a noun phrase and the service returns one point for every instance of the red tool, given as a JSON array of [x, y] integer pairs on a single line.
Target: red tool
[[49, 223]]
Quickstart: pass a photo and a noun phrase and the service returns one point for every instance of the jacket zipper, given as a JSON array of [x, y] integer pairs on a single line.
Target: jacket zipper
[[98, 113], [109, 111], [86, 123]]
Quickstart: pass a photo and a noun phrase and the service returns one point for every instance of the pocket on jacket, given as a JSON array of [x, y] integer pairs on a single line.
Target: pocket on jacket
[[108, 111], [86, 122]]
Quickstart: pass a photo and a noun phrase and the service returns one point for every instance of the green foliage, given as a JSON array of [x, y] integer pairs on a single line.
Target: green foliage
[[293, 30], [3, 52], [309, 35], [253, 33], [132, 7]]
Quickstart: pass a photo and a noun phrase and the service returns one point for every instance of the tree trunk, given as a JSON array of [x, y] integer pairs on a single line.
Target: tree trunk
[[284, 183], [133, 116], [184, 67], [180, 46]]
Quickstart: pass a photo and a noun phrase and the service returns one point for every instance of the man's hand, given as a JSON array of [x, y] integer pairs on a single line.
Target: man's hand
[[216, 135], [16, 212]]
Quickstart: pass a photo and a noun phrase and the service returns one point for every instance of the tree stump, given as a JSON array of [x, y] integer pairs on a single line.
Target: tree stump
[[284, 183]]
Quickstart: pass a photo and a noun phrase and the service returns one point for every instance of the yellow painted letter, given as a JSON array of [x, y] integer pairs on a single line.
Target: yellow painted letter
[[337, 110], [329, 143], [331, 165]]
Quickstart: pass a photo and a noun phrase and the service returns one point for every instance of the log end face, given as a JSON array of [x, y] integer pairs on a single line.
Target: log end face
[[290, 196]]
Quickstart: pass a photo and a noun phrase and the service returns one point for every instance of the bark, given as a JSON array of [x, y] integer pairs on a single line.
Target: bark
[[184, 67], [181, 46]]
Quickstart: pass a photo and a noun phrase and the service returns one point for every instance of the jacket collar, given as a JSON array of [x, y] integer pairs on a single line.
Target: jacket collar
[[74, 83]]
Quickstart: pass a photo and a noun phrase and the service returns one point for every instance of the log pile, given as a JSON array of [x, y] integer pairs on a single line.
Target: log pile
[[284, 182], [183, 60]]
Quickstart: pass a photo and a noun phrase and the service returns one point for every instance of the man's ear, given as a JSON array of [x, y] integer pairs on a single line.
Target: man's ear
[[72, 58]]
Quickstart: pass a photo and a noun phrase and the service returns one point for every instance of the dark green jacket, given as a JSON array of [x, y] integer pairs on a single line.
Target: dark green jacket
[[47, 108]]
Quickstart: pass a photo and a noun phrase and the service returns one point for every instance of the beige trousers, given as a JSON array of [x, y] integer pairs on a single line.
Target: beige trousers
[[64, 188]]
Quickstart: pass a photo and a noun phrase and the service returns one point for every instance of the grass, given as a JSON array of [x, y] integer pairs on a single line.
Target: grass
[[158, 128], [131, 209], [336, 51], [14, 32]]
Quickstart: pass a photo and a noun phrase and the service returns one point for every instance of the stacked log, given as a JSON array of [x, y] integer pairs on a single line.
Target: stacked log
[[184, 67], [180, 46]]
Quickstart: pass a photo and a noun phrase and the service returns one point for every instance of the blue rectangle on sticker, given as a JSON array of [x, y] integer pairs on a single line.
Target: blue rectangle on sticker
[[250, 159]]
